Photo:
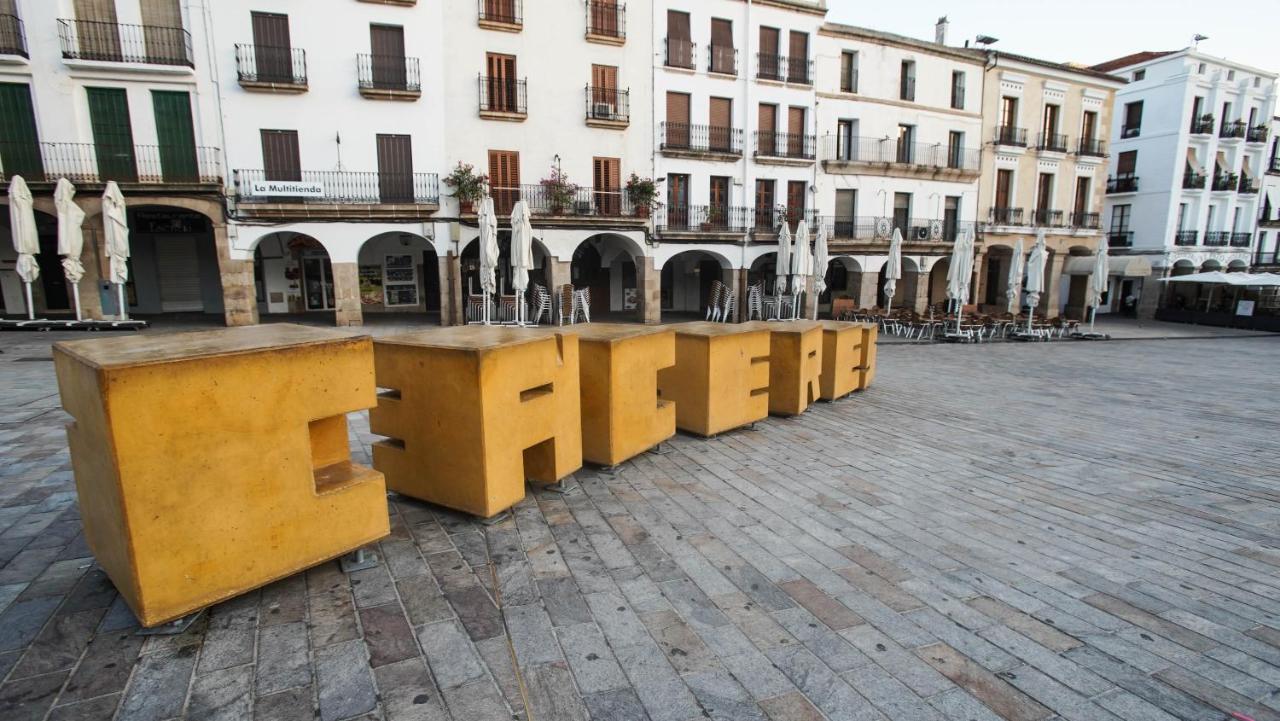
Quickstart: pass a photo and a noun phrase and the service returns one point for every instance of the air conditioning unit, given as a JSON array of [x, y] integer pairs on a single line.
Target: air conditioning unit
[[602, 110], [920, 232]]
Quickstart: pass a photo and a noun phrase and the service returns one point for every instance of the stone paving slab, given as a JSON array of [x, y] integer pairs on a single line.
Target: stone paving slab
[[1022, 532]]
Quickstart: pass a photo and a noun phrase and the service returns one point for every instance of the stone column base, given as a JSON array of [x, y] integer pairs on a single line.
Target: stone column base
[[346, 294]]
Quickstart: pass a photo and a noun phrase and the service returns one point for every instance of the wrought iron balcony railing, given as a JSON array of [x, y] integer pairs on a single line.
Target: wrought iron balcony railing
[[504, 12], [1217, 238], [389, 72], [1226, 182], [1092, 147], [701, 138], [1257, 134], [1086, 221], [1233, 129], [770, 66], [1130, 131], [340, 187], [796, 146], [271, 65], [117, 43], [703, 219], [1123, 184], [503, 95], [1241, 240], [1048, 218], [879, 230], [1247, 186], [799, 70], [93, 163], [1009, 135], [1194, 181], [1005, 216], [561, 201], [608, 104], [1120, 238], [1052, 142], [888, 150], [1186, 238], [607, 19], [13, 36], [769, 220], [680, 53], [1203, 125], [722, 60]]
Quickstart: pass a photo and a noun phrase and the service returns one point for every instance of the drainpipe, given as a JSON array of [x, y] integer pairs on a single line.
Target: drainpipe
[[217, 94], [747, 180]]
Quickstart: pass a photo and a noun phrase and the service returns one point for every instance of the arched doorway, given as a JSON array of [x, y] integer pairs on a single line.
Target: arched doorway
[[1181, 296], [605, 265], [844, 282], [904, 295], [173, 264], [470, 260], [938, 283], [50, 293], [293, 275], [399, 274], [686, 282], [995, 279]]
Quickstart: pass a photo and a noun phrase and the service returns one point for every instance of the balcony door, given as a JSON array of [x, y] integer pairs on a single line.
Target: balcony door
[[846, 135], [677, 120], [97, 32], [504, 180], [177, 136], [500, 10], [795, 132], [1004, 191], [679, 40], [718, 201], [720, 120], [20, 147], [796, 191], [162, 32], [280, 156], [1127, 165], [1044, 197], [604, 17], [798, 60], [1082, 197], [604, 91], [395, 168], [1089, 128], [951, 217], [722, 57], [765, 201], [678, 200], [272, 47], [770, 63], [902, 214], [767, 121], [502, 82], [607, 179], [846, 213], [388, 62], [112, 134], [1050, 124]]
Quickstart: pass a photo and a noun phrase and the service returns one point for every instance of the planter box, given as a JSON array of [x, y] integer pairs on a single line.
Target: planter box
[[842, 359], [472, 412], [209, 464], [795, 364], [870, 332], [721, 377]]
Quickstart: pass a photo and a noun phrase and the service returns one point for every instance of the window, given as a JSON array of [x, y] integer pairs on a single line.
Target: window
[[1004, 195], [1231, 75], [907, 81], [764, 203], [501, 87], [906, 143], [604, 93], [678, 200], [1208, 226], [796, 191], [280, 160], [1088, 127], [1051, 113], [1008, 112], [272, 56], [1127, 166], [849, 71], [720, 122], [718, 200], [1182, 216], [20, 151], [957, 90], [1081, 206], [390, 69], [679, 40], [796, 117], [902, 214], [1120, 218], [1139, 75], [767, 133], [798, 60], [770, 62], [395, 168], [955, 150], [723, 57], [504, 180], [1132, 120], [1044, 198], [951, 217], [1201, 69], [676, 129], [846, 139], [606, 176], [846, 213]]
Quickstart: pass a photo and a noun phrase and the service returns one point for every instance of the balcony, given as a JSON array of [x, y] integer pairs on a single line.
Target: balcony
[[1233, 130], [1048, 218], [1257, 134], [1241, 240], [1247, 186], [116, 43], [1005, 216], [503, 99], [1051, 143], [505, 15], [1091, 148], [1120, 239], [703, 219], [785, 148], [767, 221], [337, 194], [13, 36], [272, 69], [92, 164], [1226, 182], [879, 230], [701, 141], [1203, 125], [582, 204], [800, 71], [1122, 184], [1217, 239], [1130, 131], [1186, 238], [606, 22], [389, 77], [608, 107], [1194, 181], [1086, 221], [680, 54], [722, 60], [853, 155], [771, 67], [1011, 136]]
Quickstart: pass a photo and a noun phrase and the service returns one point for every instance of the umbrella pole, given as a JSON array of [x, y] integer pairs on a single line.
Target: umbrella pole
[[124, 309], [959, 312], [1031, 313], [31, 308], [1093, 316], [75, 296], [888, 305]]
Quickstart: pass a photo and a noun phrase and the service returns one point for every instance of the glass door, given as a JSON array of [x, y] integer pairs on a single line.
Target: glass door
[[317, 279]]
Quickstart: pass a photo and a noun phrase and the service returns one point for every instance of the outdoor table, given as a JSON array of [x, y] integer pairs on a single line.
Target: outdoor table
[[209, 464], [720, 380], [622, 415], [795, 364], [841, 358], [472, 412]]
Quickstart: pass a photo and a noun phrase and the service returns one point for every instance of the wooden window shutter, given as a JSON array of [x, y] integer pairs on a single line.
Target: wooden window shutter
[[678, 25], [768, 41], [1128, 163], [795, 132], [799, 46], [607, 177], [395, 168], [721, 113], [280, 157], [504, 179], [677, 130], [768, 129], [721, 33]]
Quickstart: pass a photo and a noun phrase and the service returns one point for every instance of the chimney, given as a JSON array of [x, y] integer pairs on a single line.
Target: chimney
[[940, 31]]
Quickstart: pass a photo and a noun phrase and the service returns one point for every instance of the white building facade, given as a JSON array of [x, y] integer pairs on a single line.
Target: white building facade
[[900, 138], [1266, 256], [1189, 139]]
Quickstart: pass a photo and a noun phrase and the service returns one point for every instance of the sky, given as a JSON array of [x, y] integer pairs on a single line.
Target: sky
[[1085, 31]]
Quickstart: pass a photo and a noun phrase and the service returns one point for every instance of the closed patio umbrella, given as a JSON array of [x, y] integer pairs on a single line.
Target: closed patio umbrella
[[960, 274], [820, 260], [1098, 282], [115, 220], [1013, 284], [783, 267], [893, 269], [801, 265], [1035, 276], [488, 253], [70, 237], [521, 254], [26, 241]]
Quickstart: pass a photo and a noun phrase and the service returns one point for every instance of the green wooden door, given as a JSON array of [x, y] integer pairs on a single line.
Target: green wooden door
[[177, 136], [112, 134], [19, 143]]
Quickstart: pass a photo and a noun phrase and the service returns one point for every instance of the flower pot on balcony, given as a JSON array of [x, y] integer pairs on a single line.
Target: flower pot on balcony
[[466, 207], [642, 211], [705, 227]]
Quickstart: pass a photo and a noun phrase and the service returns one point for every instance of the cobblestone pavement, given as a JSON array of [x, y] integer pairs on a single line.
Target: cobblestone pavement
[[1083, 531]]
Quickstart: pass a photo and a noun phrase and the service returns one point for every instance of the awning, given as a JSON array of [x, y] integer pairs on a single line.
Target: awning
[[1126, 266], [1244, 280]]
